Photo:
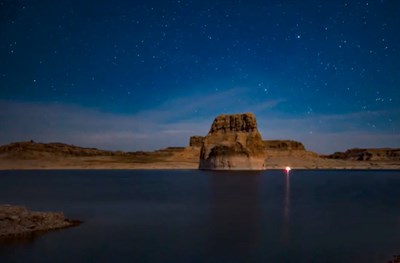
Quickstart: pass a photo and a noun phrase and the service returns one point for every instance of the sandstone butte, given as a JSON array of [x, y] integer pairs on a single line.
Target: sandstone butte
[[233, 143]]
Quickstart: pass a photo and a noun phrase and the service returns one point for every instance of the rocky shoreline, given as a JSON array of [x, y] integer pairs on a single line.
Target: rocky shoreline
[[19, 222]]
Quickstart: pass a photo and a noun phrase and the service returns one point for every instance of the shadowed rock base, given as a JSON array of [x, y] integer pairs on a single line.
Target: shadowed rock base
[[19, 222], [232, 163]]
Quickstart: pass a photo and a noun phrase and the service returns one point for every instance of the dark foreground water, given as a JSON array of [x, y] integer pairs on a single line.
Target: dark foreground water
[[195, 216]]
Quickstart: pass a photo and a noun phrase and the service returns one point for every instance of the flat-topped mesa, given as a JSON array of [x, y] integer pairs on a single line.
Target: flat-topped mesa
[[233, 143], [283, 145], [368, 154]]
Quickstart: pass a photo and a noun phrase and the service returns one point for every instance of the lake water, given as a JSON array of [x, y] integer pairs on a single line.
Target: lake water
[[199, 216]]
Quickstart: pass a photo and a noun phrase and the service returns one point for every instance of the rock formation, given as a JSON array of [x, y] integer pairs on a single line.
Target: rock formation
[[33, 149], [233, 143], [196, 141], [17, 221], [375, 154], [283, 145]]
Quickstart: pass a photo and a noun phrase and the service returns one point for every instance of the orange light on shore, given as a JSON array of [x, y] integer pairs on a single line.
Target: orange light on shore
[[288, 169]]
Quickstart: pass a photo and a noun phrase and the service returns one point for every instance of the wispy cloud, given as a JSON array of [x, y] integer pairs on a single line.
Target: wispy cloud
[[174, 121], [90, 127], [169, 124], [326, 133]]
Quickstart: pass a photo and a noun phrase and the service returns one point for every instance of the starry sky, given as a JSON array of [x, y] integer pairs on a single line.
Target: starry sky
[[143, 75]]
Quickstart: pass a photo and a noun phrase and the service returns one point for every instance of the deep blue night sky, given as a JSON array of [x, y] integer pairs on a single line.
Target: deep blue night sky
[[142, 75]]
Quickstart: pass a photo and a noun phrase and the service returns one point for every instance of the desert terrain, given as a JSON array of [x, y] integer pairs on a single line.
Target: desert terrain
[[278, 155]]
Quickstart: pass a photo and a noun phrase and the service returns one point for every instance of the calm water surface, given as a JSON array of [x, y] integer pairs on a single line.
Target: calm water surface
[[198, 216]]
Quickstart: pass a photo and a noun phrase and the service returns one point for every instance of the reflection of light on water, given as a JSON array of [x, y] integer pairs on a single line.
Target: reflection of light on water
[[286, 209]]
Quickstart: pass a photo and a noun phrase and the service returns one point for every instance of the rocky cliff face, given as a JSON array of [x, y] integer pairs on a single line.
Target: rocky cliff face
[[233, 143], [376, 154]]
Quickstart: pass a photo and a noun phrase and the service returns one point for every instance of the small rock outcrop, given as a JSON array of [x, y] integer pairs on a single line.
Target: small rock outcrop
[[196, 141], [17, 221], [233, 143]]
